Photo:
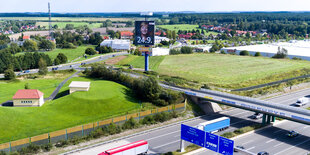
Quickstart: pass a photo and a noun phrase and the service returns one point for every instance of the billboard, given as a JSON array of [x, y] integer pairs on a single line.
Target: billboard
[[144, 32]]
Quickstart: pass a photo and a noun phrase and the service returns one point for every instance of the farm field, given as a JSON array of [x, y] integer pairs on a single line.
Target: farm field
[[138, 61], [62, 25], [228, 71], [46, 84], [70, 53], [73, 19], [105, 99], [184, 27]]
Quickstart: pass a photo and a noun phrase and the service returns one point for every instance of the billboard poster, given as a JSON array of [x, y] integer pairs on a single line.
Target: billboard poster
[[144, 32]]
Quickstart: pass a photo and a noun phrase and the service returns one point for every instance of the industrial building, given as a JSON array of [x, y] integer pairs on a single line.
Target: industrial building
[[299, 49], [79, 86], [159, 39], [28, 98], [159, 51], [117, 44]]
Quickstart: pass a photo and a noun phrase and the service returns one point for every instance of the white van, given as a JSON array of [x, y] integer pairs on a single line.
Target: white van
[[302, 101]]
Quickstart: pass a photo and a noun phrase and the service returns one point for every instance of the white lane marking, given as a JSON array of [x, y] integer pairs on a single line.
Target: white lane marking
[[292, 147], [248, 142], [278, 144], [240, 113], [177, 136], [277, 131], [306, 127], [165, 144], [271, 140], [163, 135], [250, 148]]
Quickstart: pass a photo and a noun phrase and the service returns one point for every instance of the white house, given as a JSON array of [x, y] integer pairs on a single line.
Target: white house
[[79, 86]]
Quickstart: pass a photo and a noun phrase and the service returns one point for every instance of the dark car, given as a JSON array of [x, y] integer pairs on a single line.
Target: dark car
[[257, 116], [292, 133], [237, 148], [26, 71], [263, 153], [113, 55]]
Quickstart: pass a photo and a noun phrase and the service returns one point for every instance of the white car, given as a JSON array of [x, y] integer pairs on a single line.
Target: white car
[[302, 101]]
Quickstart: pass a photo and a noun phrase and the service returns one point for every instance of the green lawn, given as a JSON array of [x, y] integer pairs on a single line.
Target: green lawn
[[62, 25], [70, 53], [45, 84], [138, 61], [105, 99], [229, 71]]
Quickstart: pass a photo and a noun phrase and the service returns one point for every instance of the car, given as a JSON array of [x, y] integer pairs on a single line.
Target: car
[[26, 71], [257, 116], [263, 153], [237, 148], [113, 55], [301, 101], [292, 133]]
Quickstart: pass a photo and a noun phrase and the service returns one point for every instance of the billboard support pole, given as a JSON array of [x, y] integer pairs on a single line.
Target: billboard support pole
[[146, 66], [182, 146]]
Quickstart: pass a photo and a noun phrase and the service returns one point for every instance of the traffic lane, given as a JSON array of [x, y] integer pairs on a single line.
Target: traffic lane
[[274, 139], [169, 140]]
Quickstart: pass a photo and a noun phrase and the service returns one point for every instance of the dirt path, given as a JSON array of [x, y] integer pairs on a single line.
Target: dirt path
[[115, 60]]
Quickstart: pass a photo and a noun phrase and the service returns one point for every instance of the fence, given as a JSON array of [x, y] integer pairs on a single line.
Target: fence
[[82, 130]]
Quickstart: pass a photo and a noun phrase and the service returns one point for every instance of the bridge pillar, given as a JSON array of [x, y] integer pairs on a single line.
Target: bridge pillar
[[264, 119], [268, 119], [273, 118]]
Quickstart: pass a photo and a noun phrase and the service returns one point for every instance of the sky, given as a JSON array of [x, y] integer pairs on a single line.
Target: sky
[[81, 6]]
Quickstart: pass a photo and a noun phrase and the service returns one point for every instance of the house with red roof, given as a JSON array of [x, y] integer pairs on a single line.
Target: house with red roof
[[28, 98], [26, 38], [126, 35]]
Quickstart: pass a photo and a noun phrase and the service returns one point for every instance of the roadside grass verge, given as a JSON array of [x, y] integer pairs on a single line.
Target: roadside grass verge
[[138, 61]]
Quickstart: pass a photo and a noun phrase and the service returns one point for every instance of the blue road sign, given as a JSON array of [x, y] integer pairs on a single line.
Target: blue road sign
[[212, 142], [193, 135], [226, 146]]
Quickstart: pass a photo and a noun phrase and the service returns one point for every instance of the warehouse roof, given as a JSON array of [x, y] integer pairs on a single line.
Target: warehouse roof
[[28, 94]]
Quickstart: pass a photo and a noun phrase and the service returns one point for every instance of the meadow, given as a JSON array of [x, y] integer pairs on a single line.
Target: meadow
[[229, 71], [62, 25], [70, 19], [138, 61], [105, 99], [184, 27]]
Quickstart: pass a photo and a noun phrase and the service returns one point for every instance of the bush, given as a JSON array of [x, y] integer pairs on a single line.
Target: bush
[[257, 54], [75, 140], [62, 143], [148, 120], [2, 153], [296, 58], [186, 50], [174, 52], [223, 52], [130, 124], [162, 117], [228, 135], [160, 102], [113, 129], [9, 74], [90, 51], [30, 149], [245, 52], [47, 147]]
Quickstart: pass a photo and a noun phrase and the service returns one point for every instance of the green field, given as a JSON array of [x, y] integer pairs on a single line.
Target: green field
[[71, 54], [45, 84], [138, 61], [104, 99], [62, 25], [228, 71], [178, 27], [73, 19]]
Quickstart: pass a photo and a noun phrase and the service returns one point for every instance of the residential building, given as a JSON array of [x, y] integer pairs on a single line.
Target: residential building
[[118, 45], [28, 98], [160, 39], [126, 35]]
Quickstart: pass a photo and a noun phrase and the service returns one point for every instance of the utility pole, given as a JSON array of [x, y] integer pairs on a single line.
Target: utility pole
[[49, 21]]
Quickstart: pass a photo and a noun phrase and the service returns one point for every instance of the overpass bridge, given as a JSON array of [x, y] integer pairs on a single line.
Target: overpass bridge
[[269, 109]]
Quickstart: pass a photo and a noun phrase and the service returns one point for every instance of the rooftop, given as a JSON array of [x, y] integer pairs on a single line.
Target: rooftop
[[28, 94], [79, 84]]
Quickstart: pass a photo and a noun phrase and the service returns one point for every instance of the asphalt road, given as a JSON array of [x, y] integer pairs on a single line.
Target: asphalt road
[[168, 138], [75, 65]]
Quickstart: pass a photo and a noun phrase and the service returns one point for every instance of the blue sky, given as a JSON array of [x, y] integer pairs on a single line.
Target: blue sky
[[153, 5]]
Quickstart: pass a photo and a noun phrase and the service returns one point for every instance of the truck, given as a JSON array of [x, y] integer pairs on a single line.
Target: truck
[[135, 148], [215, 125]]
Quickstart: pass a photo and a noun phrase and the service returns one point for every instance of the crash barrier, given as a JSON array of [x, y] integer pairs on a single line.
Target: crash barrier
[[82, 130]]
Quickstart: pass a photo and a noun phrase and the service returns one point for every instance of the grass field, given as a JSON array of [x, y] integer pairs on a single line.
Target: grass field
[[138, 61], [178, 27], [46, 84], [70, 53], [103, 100], [227, 71], [74, 19], [62, 25]]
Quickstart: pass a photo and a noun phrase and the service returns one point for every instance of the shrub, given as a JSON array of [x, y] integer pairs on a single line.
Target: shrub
[[113, 129], [174, 52], [160, 102], [257, 54], [147, 120], [296, 58], [47, 147], [162, 117], [228, 135], [75, 140], [245, 52], [9, 74], [186, 50], [30, 149], [62, 143], [2, 153], [90, 51], [130, 124], [223, 52]]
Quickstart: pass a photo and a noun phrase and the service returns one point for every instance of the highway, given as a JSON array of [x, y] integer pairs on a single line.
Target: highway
[[168, 138]]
